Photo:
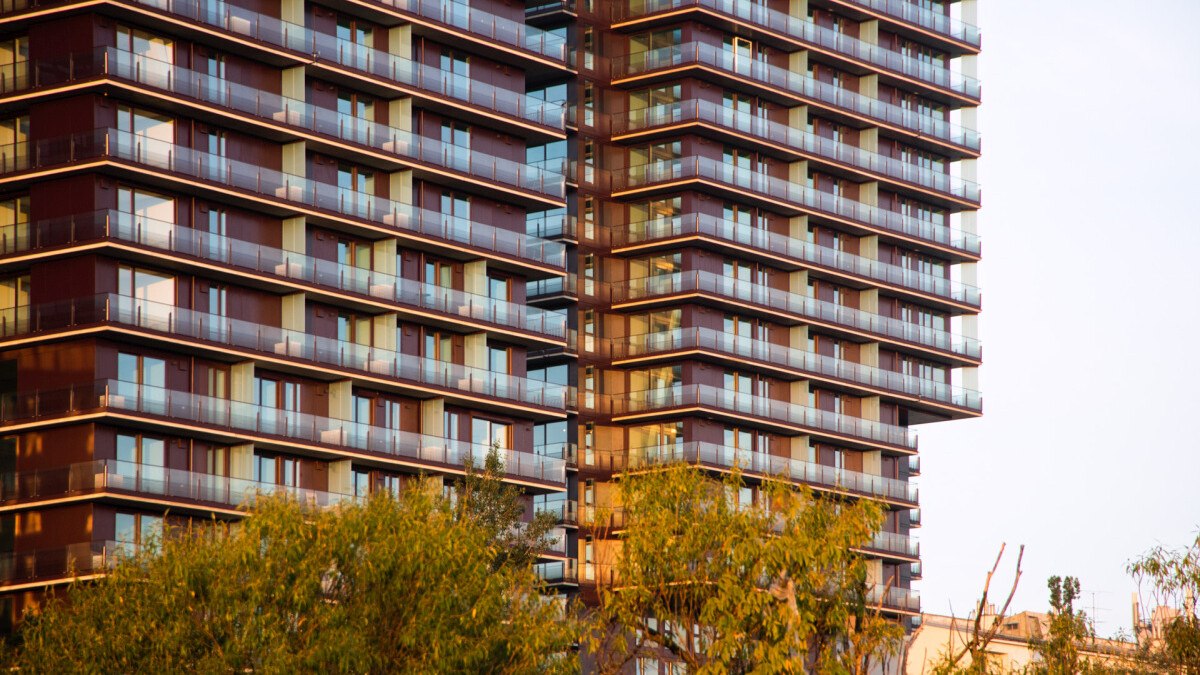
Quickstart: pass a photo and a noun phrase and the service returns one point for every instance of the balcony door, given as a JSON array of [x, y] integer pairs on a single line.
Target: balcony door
[[141, 460], [355, 41], [145, 137], [14, 63], [14, 143], [141, 383], [149, 58], [356, 117], [14, 305], [456, 146], [739, 54], [146, 217], [274, 397], [147, 298], [14, 224], [356, 187]]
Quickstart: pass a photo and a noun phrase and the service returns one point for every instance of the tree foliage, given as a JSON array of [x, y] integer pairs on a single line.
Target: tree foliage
[[391, 584], [725, 587], [1058, 651], [1171, 579]]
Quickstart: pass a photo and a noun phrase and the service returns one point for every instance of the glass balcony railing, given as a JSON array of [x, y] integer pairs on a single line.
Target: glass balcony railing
[[76, 560], [938, 22], [110, 475], [190, 324], [805, 31], [326, 121], [251, 178], [905, 599], [784, 468], [782, 356], [465, 17], [805, 198], [557, 572], [278, 425], [565, 510], [702, 395], [801, 140], [803, 306], [801, 85], [797, 249], [891, 542], [177, 239]]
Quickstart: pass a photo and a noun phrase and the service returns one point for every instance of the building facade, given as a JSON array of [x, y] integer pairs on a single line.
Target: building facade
[[322, 247]]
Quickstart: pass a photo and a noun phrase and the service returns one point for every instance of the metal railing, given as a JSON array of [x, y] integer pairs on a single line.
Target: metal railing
[[165, 156], [806, 31], [806, 307], [803, 197], [273, 341], [282, 426], [87, 558], [173, 238], [703, 395], [799, 249], [799, 84], [788, 357], [801, 140], [784, 468], [938, 22]]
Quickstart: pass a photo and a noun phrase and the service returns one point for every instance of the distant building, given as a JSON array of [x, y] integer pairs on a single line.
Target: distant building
[[1012, 648]]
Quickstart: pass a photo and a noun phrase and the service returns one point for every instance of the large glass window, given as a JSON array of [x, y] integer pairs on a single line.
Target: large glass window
[[14, 143], [142, 458], [355, 42], [456, 145], [141, 382], [146, 216], [14, 63], [14, 305], [14, 224], [485, 432], [134, 530]]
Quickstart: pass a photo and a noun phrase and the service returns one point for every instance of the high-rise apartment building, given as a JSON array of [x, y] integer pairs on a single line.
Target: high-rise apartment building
[[322, 246]]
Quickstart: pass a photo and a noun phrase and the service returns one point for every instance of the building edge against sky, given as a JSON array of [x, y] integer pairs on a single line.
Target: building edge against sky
[[323, 247]]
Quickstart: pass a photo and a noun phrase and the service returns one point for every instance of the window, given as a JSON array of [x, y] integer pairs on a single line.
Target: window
[[367, 481], [351, 253], [456, 207], [354, 328], [489, 433], [146, 286], [271, 396], [14, 143], [589, 558], [589, 387], [919, 211], [456, 145], [549, 438], [589, 104], [276, 470], [356, 40], [589, 218], [14, 305], [548, 156], [589, 161], [499, 289], [456, 64], [152, 56], [141, 379], [589, 442], [143, 208], [438, 273], [439, 346], [14, 63], [589, 48], [14, 224], [499, 359], [450, 425], [356, 116], [218, 300], [142, 458], [136, 529], [589, 274], [148, 136], [356, 179], [589, 330]]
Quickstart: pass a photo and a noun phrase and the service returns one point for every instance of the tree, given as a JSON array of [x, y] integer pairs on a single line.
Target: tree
[[483, 498], [723, 586], [1058, 652], [392, 584], [1172, 580]]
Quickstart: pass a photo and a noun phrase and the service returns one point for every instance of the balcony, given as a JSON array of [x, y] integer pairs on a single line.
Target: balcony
[[782, 468], [660, 230], [910, 12], [896, 544], [797, 360], [293, 346], [902, 599], [767, 410], [808, 34], [803, 307], [793, 196], [557, 572], [83, 560], [275, 426], [565, 511], [243, 255], [117, 477], [795, 85], [799, 143], [289, 190], [282, 111]]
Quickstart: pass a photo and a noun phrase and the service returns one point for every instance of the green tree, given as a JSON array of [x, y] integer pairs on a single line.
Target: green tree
[[392, 584], [1171, 579], [1058, 651], [725, 587], [482, 497]]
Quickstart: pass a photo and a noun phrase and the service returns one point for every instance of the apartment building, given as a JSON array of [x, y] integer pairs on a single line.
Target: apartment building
[[325, 246]]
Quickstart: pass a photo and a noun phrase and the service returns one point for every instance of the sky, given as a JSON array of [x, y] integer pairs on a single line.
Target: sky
[[1086, 452]]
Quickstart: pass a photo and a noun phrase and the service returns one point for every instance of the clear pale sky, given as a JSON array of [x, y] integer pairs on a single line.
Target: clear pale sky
[[1088, 450]]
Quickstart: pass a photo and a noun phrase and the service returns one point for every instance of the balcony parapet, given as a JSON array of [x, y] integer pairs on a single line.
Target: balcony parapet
[[719, 342], [277, 425], [773, 410], [911, 12], [802, 306], [804, 31], [794, 195], [112, 144], [772, 243], [212, 248], [271, 341], [799, 140], [796, 84]]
